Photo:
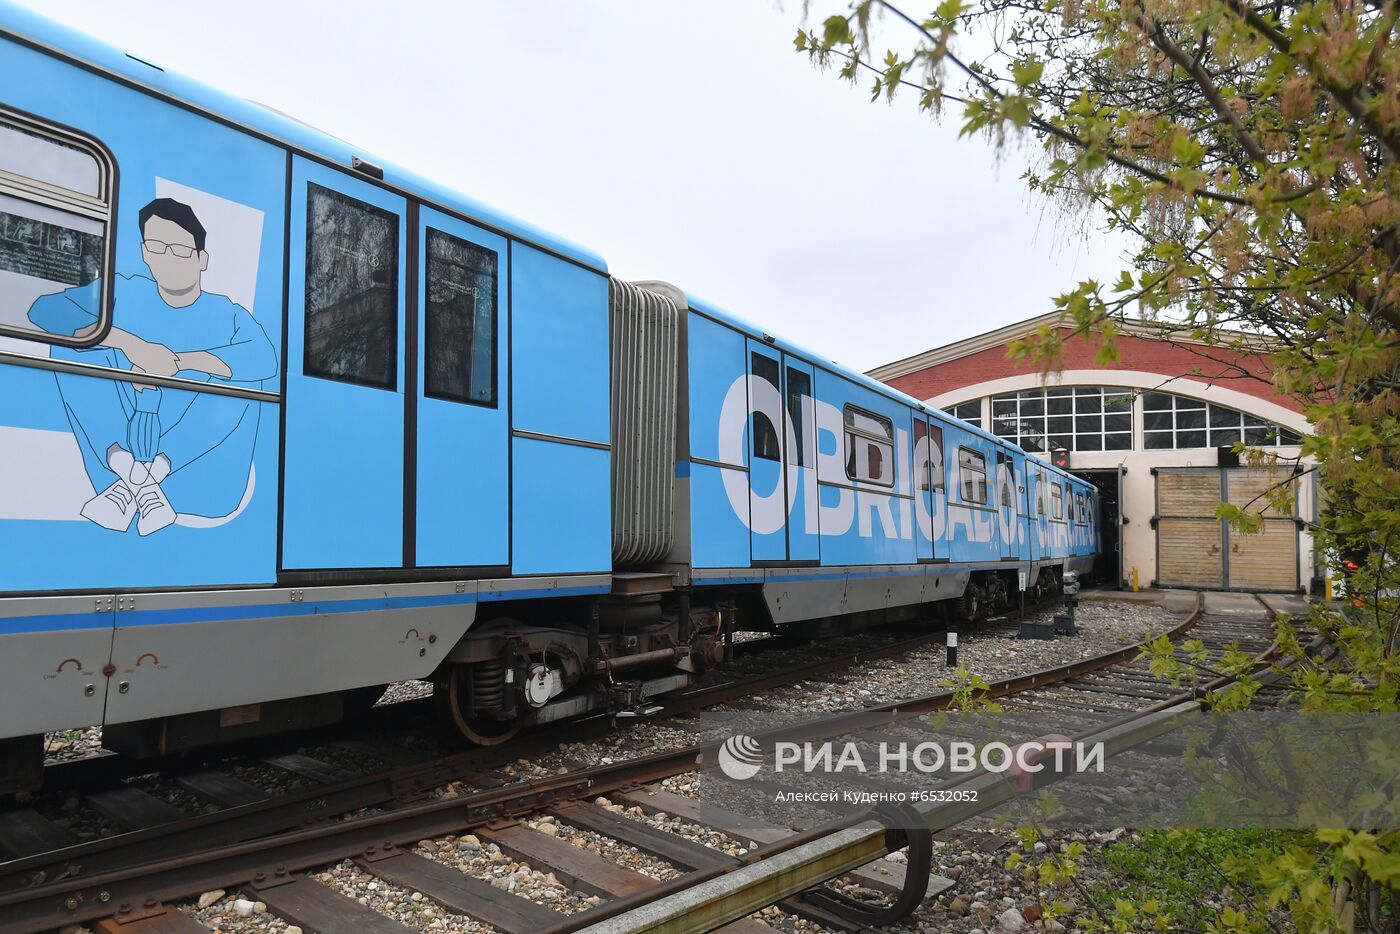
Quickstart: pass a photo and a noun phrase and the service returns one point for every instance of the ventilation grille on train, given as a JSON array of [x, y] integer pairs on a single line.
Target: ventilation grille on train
[[645, 338]]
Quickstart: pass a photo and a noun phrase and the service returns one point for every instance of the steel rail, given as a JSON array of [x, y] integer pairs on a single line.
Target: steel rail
[[84, 897]]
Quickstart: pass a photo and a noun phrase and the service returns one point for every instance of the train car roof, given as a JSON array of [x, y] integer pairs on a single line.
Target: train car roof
[[38, 31]]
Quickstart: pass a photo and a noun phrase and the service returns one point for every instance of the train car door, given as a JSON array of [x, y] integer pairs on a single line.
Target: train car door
[[1020, 492], [460, 506], [344, 425], [1006, 504], [804, 542], [768, 495], [925, 535]]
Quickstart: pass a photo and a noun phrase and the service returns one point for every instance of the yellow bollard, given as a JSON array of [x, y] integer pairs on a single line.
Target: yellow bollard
[[1327, 589], [1134, 578]]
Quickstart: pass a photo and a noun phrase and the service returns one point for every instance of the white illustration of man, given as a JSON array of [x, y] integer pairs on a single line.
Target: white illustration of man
[[140, 441]]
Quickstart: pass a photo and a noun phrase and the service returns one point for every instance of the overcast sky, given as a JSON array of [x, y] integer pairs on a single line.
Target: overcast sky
[[683, 141]]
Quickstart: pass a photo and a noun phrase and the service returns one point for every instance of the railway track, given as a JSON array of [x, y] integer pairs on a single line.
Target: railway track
[[267, 846]]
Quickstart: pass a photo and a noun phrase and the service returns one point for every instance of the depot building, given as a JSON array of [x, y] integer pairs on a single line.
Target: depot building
[[1154, 432]]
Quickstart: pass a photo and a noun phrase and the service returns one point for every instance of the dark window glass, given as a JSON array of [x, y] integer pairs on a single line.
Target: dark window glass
[[1190, 418], [799, 385], [1288, 437], [921, 472], [1220, 437], [1156, 401], [1093, 404], [1258, 436], [1118, 403], [1117, 423], [1003, 406], [1089, 442], [1224, 418], [1061, 442], [1061, 405], [765, 433], [935, 455], [352, 290], [970, 412], [1190, 439], [1088, 424], [1157, 440], [460, 343], [1033, 406], [1120, 441]]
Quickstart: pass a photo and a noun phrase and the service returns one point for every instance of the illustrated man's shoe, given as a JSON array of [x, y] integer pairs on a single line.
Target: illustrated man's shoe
[[114, 507], [156, 511]]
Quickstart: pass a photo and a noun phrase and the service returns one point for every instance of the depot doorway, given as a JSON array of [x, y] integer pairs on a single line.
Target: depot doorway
[[1108, 565]]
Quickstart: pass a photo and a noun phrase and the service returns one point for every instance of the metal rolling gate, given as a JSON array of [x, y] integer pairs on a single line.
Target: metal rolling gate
[[1195, 549]]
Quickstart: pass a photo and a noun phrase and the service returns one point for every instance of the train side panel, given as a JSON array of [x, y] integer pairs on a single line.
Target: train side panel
[[63, 431], [864, 475], [561, 480], [972, 530]]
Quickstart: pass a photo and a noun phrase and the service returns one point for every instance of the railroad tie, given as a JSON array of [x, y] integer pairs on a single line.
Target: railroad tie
[[585, 871], [316, 907], [221, 788], [882, 875], [133, 808], [25, 832], [505, 911]]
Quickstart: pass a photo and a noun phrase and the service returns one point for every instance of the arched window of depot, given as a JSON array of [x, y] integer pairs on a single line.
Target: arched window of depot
[[1076, 418], [1172, 421]]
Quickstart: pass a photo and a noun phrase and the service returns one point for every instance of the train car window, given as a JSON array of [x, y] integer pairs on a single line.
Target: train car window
[[1057, 501], [352, 290], [56, 243], [799, 385], [765, 433], [972, 476], [869, 447], [459, 348], [921, 477], [1080, 514], [935, 456], [1039, 495]]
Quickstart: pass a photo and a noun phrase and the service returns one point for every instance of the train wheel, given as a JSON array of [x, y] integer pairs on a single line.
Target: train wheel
[[967, 608], [482, 684]]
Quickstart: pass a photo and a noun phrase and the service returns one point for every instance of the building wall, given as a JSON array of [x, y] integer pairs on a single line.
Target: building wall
[[1244, 373]]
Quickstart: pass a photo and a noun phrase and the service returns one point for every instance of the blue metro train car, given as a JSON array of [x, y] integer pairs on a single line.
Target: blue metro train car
[[280, 424]]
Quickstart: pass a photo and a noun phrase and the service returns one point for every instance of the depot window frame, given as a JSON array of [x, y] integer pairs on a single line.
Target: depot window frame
[[1169, 424], [101, 207], [969, 411], [1080, 423]]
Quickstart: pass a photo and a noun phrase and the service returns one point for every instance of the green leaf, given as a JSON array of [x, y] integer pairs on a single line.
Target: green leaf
[[1027, 72]]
